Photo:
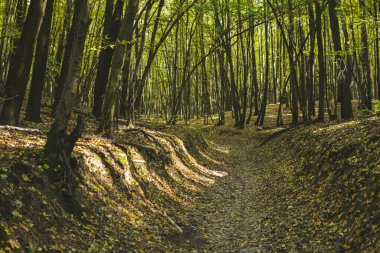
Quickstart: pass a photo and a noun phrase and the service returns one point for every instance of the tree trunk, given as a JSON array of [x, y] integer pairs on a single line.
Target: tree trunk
[[311, 58], [66, 62], [377, 49], [254, 103], [293, 71], [112, 93], [260, 119], [111, 28], [33, 109], [4, 42], [366, 65], [19, 71], [343, 84], [321, 64], [59, 144], [63, 36]]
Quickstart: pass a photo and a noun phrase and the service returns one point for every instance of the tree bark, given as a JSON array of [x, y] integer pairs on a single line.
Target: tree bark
[[377, 49], [59, 144], [366, 65], [293, 71], [63, 36], [311, 59], [111, 28], [321, 64], [343, 84], [19, 71], [112, 92], [33, 109], [261, 117]]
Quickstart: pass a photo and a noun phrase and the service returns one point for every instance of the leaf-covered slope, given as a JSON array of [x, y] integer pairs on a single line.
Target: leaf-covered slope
[[330, 200], [122, 195]]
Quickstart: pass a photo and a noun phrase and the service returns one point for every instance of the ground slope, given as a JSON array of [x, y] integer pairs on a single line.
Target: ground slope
[[125, 194], [306, 189], [166, 189]]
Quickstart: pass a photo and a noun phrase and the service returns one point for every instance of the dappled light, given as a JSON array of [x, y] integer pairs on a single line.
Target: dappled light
[[189, 126], [119, 180]]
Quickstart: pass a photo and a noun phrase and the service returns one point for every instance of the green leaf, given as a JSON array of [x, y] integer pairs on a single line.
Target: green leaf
[[25, 177], [16, 214]]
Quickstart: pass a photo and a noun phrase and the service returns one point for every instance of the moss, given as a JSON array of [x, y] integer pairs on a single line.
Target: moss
[[123, 160]]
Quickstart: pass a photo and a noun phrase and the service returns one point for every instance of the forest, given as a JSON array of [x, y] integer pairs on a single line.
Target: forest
[[189, 126]]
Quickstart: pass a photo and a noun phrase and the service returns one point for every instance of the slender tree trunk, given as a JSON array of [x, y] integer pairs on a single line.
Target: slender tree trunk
[[260, 119], [302, 75], [33, 109], [293, 71], [377, 48], [62, 41], [175, 77], [254, 103], [366, 65], [111, 28], [65, 66], [18, 77], [234, 90], [321, 64], [127, 86], [112, 93], [311, 59], [343, 84], [4, 41], [21, 7], [347, 48]]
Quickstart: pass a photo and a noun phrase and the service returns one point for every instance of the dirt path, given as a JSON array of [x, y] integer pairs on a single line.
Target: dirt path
[[296, 193], [229, 213]]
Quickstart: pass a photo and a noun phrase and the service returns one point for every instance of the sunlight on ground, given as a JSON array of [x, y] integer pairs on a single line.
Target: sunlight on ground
[[217, 147], [208, 157], [336, 127], [120, 183]]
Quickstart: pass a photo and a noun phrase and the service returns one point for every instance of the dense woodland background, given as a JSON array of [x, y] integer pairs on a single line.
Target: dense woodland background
[[154, 77], [185, 59]]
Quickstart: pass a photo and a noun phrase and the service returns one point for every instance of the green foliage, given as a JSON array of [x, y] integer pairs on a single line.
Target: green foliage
[[376, 106], [366, 112]]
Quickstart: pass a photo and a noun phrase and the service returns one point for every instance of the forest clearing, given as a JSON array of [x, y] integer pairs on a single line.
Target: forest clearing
[[189, 126]]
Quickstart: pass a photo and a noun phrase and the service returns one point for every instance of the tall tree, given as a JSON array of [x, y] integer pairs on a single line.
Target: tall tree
[[343, 83], [110, 31], [311, 59], [59, 145], [113, 87], [366, 64], [261, 117], [33, 109], [322, 78], [21, 62], [376, 5]]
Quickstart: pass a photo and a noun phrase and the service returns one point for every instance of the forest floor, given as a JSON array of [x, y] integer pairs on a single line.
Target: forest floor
[[306, 189], [196, 188]]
